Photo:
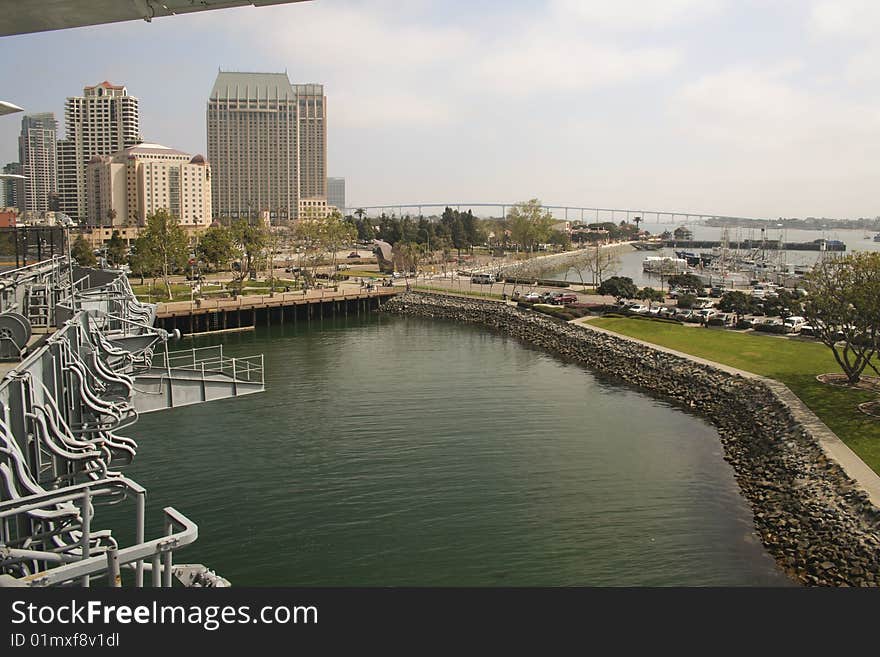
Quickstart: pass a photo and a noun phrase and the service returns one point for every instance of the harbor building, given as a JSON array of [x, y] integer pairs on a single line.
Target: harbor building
[[127, 187], [267, 143], [36, 152], [103, 121]]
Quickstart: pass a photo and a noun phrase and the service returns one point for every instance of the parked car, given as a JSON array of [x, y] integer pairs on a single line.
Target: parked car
[[795, 323], [706, 313], [684, 314], [564, 298], [353, 254], [638, 309], [718, 291], [533, 297]]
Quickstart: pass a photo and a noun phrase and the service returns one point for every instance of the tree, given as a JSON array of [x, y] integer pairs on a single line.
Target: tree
[[600, 262], [685, 280], [82, 253], [143, 259], [334, 234], [250, 243], [116, 249], [738, 303], [651, 295], [167, 243], [619, 287], [783, 303], [687, 301], [317, 236], [111, 217], [843, 306], [530, 224], [217, 247]]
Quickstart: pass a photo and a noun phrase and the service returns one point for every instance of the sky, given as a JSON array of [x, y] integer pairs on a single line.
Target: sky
[[756, 108]]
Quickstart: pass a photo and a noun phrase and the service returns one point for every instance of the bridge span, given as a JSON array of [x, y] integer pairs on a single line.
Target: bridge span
[[563, 212]]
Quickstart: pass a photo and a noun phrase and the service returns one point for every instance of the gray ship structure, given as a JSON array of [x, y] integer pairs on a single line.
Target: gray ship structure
[[81, 360]]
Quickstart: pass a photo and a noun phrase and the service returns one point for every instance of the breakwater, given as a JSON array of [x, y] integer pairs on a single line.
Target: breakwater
[[816, 522]]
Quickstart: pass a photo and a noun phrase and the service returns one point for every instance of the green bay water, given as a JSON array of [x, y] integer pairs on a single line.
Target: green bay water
[[393, 451]]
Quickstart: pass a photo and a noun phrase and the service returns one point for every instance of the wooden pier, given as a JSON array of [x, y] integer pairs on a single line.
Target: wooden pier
[[211, 315]]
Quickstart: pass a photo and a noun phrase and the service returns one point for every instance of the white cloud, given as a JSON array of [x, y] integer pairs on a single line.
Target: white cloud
[[393, 108], [761, 117], [845, 18], [637, 14], [547, 64]]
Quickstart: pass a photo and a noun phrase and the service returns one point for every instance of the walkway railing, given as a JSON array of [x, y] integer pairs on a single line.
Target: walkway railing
[[211, 360]]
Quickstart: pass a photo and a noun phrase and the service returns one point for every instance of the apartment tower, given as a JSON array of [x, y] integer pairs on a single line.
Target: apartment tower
[[39, 164], [267, 144], [103, 121]]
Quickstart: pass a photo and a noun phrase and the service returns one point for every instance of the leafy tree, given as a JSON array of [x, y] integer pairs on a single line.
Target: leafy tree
[[143, 259], [217, 247], [843, 306], [167, 243], [530, 224], [250, 243], [335, 234], [685, 280], [738, 303], [651, 295], [783, 304], [319, 236], [407, 257], [116, 248], [82, 253], [619, 287], [686, 301]]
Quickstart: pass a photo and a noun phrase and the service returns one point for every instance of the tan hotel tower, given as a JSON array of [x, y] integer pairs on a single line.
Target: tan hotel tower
[[267, 144]]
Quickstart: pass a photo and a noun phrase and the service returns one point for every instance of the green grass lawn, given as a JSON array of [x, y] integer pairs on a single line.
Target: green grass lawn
[[462, 292], [793, 362], [362, 273]]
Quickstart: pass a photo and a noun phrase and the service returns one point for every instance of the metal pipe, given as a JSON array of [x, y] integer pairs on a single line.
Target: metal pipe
[[114, 578], [156, 570], [166, 566], [140, 504], [86, 530]]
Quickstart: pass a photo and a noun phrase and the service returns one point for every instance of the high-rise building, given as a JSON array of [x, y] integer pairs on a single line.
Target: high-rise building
[[267, 144], [336, 193], [122, 190], [103, 121], [39, 165], [13, 189]]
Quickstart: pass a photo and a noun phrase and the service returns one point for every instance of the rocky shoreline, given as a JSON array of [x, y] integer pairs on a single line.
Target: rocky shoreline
[[818, 525]]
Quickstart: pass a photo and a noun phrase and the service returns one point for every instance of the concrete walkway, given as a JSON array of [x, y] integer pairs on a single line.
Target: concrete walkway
[[831, 444]]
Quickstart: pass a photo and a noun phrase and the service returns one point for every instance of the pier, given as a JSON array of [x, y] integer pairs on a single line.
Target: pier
[[770, 245], [214, 315]]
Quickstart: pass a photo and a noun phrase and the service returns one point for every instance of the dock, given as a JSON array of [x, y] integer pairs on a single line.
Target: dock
[[770, 245], [215, 315]]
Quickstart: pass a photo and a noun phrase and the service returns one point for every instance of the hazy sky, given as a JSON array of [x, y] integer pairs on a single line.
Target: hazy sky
[[758, 108]]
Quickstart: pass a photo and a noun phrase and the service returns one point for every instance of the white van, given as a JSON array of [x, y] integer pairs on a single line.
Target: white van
[[484, 279]]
